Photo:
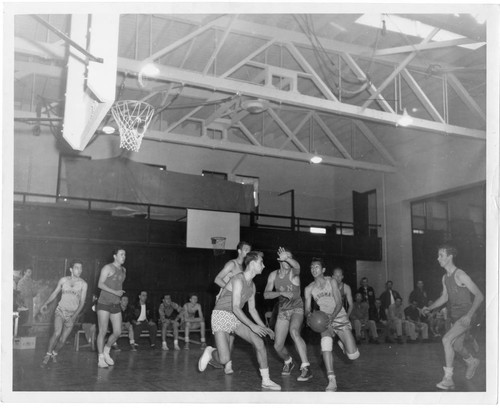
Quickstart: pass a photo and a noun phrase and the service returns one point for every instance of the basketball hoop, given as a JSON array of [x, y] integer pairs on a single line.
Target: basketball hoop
[[133, 118], [219, 245]]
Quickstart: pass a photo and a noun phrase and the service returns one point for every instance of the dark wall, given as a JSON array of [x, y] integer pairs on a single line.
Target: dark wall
[[48, 238]]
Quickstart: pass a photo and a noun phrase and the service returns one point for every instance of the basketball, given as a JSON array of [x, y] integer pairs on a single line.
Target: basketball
[[318, 321]]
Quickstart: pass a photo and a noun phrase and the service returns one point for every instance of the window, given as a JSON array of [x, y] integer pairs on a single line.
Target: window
[[214, 174], [429, 215], [249, 180]]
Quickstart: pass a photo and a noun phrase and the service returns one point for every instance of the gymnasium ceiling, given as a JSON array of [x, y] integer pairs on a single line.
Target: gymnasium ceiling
[[327, 84]]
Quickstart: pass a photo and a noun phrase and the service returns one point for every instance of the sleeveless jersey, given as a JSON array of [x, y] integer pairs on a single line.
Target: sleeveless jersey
[[324, 298], [225, 301], [71, 295], [342, 294], [459, 298], [286, 285], [114, 282], [169, 312]]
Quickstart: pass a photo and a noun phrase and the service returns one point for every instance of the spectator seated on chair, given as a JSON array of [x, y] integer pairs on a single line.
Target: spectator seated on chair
[[169, 317], [415, 326], [192, 316], [128, 314], [360, 320], [377, 314], [143, 319], [396, 317]]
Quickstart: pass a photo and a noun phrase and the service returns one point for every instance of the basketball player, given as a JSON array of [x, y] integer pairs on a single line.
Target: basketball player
[[284, 284], [169, 313], [325, 292], [457, 290], [192, 322], [74, 292], [108, 305], [228, 317], [231, 268], [345, 291]]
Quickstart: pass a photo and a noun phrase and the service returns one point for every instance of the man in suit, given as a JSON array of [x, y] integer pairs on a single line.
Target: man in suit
[[388, 297], [144, 319], [367, 292], [378, 315]]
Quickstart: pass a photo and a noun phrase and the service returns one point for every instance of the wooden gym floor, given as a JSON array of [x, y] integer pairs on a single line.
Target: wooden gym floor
[[380, 368]]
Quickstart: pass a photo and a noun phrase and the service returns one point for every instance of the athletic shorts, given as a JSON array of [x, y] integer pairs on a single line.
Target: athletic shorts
[[224, 321], [113, 309], [66, 316], [339, 324], [287, 314]]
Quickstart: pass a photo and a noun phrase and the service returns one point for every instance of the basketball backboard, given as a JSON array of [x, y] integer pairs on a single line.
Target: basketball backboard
[[91, 85], [203, 225]]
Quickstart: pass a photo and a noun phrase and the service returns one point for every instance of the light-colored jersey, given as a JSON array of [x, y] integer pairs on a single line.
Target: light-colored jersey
[[71, 295], [324, 297]]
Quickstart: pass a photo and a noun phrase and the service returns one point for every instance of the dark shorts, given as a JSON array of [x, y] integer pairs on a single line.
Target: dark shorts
[[113, 309]]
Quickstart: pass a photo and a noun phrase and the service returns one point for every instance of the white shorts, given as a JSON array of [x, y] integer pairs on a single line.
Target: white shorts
[[224, 321]]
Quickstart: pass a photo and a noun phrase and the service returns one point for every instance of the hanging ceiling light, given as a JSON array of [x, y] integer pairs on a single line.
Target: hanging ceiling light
[[316, 159], [405, 119], [108, 129]]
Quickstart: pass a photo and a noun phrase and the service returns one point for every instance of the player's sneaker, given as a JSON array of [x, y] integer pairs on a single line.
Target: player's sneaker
[[133, 347], [446, 383], [205, 358], [107, 358], [101, 363], [54, 358], [164, 346], [46, 360], [472, 365], [268, 384], [287, 368], [228, 368], [115, 347], [203, 345], [305, 374], [176, 347], [186, 347], [332, 384]]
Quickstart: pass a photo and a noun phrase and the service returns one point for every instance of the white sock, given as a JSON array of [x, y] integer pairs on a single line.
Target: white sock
[[331, 375], [107, 349], [288, 361], [203, 340], [304, 365], [176, 341], [264, 373]]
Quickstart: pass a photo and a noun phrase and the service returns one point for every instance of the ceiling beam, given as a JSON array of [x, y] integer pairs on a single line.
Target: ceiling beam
[[287, 130], [332, 137], [399, 68], [422, 97], [371, 88], [261, 151], [375, 142], [220, 44], [266, 32], [294, 99], [465, 96], [423, 47]]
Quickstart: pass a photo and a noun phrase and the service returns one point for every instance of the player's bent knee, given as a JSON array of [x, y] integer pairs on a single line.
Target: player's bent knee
[[326, 344], [353, 356]]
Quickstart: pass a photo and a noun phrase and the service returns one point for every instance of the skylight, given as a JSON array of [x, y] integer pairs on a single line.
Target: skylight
[[411, 27]]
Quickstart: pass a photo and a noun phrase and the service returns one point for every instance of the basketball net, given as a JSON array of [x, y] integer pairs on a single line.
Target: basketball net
[[219, 245], [133, 119]]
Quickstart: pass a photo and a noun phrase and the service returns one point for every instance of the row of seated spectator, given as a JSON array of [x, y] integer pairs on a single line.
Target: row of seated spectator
[[396, 320], [140, 316]]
